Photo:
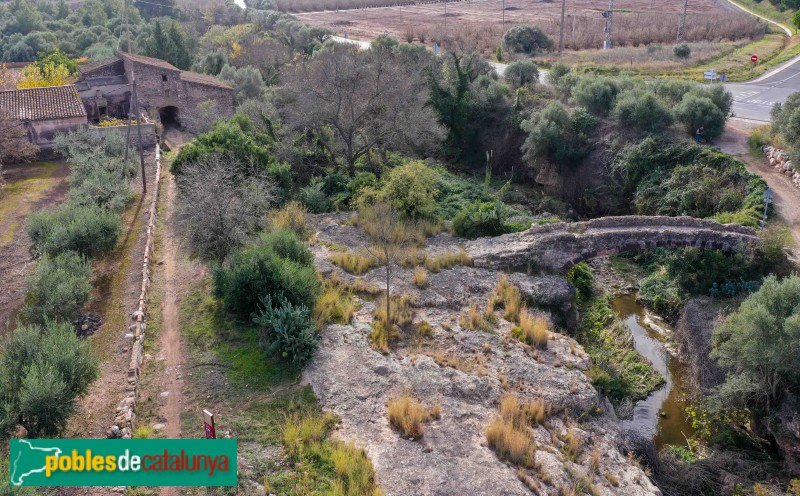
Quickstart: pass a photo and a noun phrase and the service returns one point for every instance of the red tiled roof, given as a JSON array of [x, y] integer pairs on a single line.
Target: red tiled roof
[[194, 77], [141, 59], [39, 104]]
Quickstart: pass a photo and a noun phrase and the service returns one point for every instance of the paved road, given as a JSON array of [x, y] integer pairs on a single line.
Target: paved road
[[754, 100]]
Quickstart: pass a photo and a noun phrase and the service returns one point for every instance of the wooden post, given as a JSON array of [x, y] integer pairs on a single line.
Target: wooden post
[[208, 424], [561, 35], [139, 132]]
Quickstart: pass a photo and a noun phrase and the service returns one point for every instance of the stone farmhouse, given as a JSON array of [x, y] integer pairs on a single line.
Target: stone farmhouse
[[166, 94]]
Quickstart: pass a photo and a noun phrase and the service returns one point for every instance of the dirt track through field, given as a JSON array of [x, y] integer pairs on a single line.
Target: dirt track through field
[[30, 188], [170, 342]]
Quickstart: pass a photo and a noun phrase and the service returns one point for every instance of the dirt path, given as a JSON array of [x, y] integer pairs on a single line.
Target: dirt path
[[170, 349], [29, 188], [787, 197]]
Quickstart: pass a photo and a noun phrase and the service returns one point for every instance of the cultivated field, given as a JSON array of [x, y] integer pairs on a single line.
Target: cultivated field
[[479, 22]]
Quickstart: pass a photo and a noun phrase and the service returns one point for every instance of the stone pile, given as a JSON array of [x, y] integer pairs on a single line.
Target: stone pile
[[782, 163], [125, 415], [87, 324]]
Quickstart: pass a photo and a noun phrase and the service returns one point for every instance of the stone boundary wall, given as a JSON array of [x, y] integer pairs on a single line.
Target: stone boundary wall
[[780, 160], [148, 133], [125, 415]]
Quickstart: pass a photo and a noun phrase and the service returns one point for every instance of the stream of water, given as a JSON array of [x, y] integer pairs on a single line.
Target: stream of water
[[661, 415]]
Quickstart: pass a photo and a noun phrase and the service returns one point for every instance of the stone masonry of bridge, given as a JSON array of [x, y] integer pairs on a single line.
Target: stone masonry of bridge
[[558, 246]]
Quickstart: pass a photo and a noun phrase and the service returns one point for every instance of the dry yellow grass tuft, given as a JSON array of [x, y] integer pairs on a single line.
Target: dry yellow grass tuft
[[292, 216], [508, 297], [334, 305], [533, 329], [420, 277], [447, 261], [356, 263], [572, 444], [475, 320], [384, 332], [424, 329], [612, 479], [509, 433], [407, 415]]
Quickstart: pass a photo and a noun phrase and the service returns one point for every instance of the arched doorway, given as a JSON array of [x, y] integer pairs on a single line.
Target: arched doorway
[[169, 117]]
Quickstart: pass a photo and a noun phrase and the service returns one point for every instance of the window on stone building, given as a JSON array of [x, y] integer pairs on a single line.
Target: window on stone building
[[164, 77]]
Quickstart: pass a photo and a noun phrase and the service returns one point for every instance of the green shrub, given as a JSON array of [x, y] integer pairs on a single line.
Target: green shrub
[[661, 293], [286, 330], [695, 112], [682, 51], [58, 288], [281, 176], [757, 347], [643, 111], [411, 189], [596, 94], [480, 219], [286, 244], [521, 73], [89, 230], [526, 39], [42, 374], [259, 270], [314, 198], [721, 97], [580, 275], [671, 90], [558, 135]]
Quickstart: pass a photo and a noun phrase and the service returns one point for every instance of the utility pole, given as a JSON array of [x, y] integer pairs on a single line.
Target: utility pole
[[504, 14], [127, 27], [609, 15], [128, 138], [561, 34], [682, 22], [139, 132]]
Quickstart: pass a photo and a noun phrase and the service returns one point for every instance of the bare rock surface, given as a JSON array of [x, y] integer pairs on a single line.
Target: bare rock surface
[[466, 372]]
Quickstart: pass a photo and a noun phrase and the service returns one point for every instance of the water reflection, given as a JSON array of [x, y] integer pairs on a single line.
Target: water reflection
[[661, 415]]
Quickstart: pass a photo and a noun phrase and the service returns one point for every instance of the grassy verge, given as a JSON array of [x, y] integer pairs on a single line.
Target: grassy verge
[[17, 197], [617, 371], [284, 443], [770, 11]]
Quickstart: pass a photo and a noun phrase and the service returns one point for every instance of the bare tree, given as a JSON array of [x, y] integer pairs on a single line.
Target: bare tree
[[219, 206], [390, 238], [357, 100], [14, 144]]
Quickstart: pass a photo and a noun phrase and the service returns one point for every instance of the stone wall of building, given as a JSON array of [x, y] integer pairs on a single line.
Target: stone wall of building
[[42, 133], [149, 137], [195, 113], [156, 87]]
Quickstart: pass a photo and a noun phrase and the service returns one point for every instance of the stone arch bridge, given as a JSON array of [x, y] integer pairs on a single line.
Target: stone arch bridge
[[558, 246]]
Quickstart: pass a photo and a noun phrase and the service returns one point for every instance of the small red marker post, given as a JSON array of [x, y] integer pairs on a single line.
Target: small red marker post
[[754, 58], [208, 422]]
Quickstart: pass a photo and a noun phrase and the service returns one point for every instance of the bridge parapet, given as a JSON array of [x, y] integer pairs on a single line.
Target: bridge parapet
[[559, 246]]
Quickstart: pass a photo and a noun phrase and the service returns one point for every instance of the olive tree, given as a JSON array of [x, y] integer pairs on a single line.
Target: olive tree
[[526, 39], [521, 73], [758, 346], [43, 373]]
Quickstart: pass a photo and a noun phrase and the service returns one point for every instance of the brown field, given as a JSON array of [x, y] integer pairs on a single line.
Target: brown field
[[478, 23]]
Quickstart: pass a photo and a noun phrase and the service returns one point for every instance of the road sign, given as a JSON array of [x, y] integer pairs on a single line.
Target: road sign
[[754, 58], [769, 196], [208, 421], [712, 75]]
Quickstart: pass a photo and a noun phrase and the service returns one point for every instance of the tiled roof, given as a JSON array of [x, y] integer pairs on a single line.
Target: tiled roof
[[194, 77], [92, 66], [141, 59], [39, 104]]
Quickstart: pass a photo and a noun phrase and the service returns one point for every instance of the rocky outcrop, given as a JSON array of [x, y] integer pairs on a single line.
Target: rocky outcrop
[[466, 372], [781, 161], [693, 334], [558, 246]]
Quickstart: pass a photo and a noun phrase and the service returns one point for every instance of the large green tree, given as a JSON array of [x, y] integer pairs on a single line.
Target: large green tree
[[758, 346]]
